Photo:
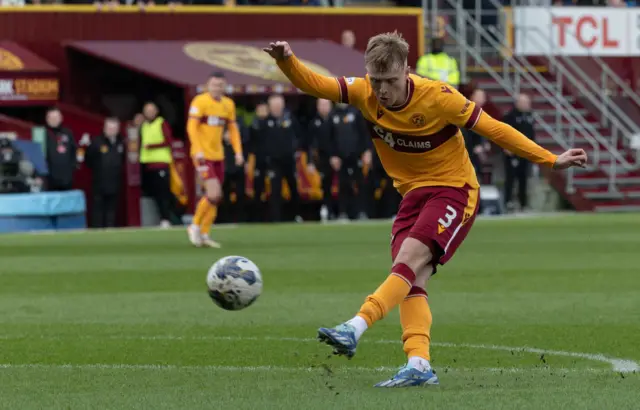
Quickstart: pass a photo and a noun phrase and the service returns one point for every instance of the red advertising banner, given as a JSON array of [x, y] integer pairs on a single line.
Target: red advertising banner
[[44, 29]]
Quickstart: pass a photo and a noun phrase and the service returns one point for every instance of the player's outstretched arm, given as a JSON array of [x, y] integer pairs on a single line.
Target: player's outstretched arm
[[301, 76], [511, 139], [460, 111]]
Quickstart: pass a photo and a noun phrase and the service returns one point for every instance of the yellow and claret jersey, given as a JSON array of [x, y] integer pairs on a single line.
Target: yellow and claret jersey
[[209, 118], [419, 142]]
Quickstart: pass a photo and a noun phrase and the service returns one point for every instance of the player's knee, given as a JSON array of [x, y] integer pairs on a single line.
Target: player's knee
[[214, 193], [422, 276], [415, 254], [214, 198]]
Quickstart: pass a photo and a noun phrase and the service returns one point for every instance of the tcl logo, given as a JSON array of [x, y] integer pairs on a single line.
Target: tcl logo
[[577, 31], [590, 31], [6, 87]]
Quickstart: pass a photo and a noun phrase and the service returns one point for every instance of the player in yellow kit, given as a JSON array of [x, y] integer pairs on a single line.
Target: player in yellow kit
[[210, 115], [415, 125]]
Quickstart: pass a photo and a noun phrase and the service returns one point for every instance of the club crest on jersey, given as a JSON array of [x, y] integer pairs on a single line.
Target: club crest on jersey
[[445, 89], [419, 120]]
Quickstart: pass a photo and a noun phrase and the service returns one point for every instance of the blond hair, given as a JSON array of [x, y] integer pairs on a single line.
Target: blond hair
[[386, 51]]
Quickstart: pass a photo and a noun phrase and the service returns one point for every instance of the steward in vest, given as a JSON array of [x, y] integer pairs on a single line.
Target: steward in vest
[[155, 160], [438, 65]]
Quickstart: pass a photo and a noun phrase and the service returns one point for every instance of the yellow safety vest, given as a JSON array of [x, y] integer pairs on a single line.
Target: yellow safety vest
[[151, 134], [439, 67]]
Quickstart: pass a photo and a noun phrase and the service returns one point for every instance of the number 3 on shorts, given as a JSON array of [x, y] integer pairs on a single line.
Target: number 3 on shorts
[[448, 217]]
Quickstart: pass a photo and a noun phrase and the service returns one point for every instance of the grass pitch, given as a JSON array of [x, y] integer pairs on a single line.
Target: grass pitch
[[530, 314]]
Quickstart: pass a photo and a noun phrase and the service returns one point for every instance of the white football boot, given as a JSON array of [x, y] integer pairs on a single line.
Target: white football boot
[[208, 242], [194, 235]]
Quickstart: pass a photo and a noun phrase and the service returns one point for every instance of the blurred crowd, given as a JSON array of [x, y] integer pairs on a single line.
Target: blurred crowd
[[280, 147], [171, 3]]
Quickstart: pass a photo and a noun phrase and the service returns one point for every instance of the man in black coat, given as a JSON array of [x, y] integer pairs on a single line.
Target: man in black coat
[[279, 133], [350, 144], [61, 152], [516, 168], [320, 149], [234, 180], [257, 145], [105, 158]]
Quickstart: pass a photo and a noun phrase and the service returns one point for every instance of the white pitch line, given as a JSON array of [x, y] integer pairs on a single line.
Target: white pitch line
[[617, 364], [310, 369]]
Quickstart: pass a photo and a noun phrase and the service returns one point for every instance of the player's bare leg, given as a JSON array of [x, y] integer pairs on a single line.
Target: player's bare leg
[[413, 257], [415, 317], [193, 230], [213, 191]]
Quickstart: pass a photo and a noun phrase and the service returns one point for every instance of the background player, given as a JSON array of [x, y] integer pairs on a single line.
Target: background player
[[210, 114], [415, 126]]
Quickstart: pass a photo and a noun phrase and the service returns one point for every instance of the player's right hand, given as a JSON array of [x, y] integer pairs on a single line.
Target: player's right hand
[[279, 50]]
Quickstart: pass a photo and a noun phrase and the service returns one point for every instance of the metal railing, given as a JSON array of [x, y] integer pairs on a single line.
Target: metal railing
[[610, 113], [515, 69]]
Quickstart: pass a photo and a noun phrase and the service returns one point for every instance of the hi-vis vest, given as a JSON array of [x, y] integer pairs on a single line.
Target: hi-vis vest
[[439, 67], [150, 134]]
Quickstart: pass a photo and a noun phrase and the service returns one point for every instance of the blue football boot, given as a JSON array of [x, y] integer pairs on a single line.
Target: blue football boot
[[342, 338], [409, 376]]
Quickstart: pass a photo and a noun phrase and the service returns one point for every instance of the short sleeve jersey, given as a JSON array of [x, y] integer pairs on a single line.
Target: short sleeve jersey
[[214, 117]]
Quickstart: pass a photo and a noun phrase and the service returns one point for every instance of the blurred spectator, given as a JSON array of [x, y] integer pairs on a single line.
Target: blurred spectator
[[234, 180], [320, 149], [348, 39], [257, 146], [282, 134], [61, 152], [478, 148], [14, 169], [516, 168], [378, 179], [438, 65], [105, 158], [156, 140], [349, 142]]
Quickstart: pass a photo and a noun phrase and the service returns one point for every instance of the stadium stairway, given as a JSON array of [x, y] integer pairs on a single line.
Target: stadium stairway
[[592, 184]]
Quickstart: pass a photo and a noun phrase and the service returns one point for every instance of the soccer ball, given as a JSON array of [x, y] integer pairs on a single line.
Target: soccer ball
[[234, 282]]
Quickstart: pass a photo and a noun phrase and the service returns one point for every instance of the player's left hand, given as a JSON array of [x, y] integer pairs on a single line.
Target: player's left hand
[[239, 160], [575, 157]]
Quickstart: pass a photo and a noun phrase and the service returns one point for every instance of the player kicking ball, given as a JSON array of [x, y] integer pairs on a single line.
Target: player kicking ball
[[415, 125]]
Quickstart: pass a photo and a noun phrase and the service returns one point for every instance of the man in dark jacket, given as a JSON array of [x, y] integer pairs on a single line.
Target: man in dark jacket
[[280, 133], [257, 145], [516, 168], [105, 158], [320, 151], [234, 180], [349, 142], [61, 152]]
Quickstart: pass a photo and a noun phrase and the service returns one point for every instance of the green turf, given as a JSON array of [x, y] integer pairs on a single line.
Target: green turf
[[128, 314]]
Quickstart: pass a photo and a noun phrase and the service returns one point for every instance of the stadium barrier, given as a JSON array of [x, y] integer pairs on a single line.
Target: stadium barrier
[[42, 211]]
